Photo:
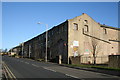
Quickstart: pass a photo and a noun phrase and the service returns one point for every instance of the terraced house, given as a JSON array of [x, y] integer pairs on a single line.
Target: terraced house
[[77, 40]]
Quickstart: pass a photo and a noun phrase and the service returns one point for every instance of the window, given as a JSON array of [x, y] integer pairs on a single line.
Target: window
[[39, 37], [62, 28], [52, 33], [49, 34], [85, 21], [58, 29], [86, 29], [75, 26], [65, 28], [42, 36], [105, 31]]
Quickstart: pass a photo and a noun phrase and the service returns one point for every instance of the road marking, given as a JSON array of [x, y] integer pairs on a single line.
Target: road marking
[[26, 62], [35, 65], [49, 69], [9, 71], [52, 70], [4, 72], [21, 61], [71, 76]]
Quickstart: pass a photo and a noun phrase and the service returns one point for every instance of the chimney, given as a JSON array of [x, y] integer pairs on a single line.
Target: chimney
[[98, 23]]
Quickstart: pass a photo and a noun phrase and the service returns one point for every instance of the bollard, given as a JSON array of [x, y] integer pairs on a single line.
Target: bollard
[[60, 57]]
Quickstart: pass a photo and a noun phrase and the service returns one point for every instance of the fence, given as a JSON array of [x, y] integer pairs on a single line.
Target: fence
[[114, 61], [90, 60]]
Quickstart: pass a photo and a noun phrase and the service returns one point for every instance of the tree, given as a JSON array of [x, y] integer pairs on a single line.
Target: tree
[[5, 50], [0, 50], [95, 49]]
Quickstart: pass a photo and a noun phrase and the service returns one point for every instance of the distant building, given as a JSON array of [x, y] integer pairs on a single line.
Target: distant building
[[15, 50], [80, 36]]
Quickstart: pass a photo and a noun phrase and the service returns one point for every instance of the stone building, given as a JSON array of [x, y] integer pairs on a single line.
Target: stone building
[[57, 44], [15, 50], [92, 39], [80, 36]]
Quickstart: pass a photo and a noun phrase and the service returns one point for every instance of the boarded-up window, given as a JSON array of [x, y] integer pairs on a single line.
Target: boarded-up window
[[75, 26]]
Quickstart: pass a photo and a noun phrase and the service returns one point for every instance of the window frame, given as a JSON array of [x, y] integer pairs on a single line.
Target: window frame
[[86, 28], [86, 21], [75, 26], [105, 31]]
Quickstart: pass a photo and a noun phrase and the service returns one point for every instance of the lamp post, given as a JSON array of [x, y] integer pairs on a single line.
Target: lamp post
[[46, 39]]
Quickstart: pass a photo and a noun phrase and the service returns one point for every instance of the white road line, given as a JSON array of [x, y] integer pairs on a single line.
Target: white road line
[[49, 69], [26, 62], [35, 65], [21, 61], [52, 70], [71, 76]]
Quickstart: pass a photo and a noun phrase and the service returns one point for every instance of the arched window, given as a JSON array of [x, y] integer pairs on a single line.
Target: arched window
[[86, 29], [105, 31]]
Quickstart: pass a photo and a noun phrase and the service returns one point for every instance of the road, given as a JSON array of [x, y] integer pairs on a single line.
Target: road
[[26, 68]]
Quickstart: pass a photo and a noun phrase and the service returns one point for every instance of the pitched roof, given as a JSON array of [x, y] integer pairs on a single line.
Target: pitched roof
[[109, 27]]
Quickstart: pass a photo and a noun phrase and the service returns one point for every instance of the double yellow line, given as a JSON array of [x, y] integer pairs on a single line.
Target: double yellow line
[[7, 72]]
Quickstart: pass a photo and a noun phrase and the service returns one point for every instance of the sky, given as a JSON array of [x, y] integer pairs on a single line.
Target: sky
[[19, 19], [60, 0], [0, 25]]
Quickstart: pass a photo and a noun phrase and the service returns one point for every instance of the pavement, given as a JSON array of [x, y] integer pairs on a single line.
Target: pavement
[[104, 71], [26, 68]]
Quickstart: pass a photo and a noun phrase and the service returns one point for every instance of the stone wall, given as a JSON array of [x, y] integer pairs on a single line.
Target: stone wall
[[114, 61], [56, 45], [75, 60]]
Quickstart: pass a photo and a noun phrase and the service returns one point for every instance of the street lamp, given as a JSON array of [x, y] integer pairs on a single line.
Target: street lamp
[[46, 39]]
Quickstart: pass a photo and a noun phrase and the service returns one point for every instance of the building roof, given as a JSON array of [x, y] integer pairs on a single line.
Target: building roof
[[101, 25], [109, 27]]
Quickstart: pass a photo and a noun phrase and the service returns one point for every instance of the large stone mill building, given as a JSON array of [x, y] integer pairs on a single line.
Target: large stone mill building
[[75, 40]]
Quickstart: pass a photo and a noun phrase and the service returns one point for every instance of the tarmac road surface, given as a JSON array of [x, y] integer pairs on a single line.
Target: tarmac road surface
[[26, 68]]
